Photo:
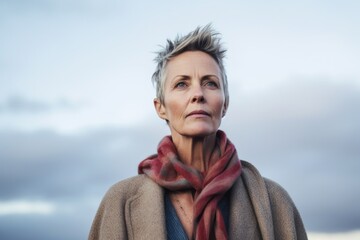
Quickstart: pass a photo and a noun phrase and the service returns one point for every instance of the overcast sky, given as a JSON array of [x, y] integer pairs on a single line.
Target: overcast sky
[[76, 111]]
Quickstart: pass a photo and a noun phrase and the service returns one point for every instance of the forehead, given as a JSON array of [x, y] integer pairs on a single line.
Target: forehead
[[191, 62]]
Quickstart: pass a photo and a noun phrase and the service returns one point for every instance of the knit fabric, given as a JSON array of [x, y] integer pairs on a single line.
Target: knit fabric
[[174, 228], [166, 169]]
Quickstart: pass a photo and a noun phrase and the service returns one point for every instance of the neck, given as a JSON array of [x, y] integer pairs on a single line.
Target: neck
[[195, 151]]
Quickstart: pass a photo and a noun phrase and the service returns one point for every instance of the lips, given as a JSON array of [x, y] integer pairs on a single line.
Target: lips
[[198, 112]]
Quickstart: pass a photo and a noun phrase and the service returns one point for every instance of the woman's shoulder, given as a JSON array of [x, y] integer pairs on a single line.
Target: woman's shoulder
[[276, 193], [129, 183], [130, 187]]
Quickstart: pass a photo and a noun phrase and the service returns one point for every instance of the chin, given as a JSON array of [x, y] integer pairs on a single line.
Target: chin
[[201, 131]]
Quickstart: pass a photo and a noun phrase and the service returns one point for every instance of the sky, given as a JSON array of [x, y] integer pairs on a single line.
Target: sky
[[76, 104]]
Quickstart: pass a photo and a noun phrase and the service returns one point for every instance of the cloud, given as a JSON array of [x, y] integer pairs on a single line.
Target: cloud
[[17, 104], [54, 226], [335, 236], [72, 172], [44, 164], [26, 207]]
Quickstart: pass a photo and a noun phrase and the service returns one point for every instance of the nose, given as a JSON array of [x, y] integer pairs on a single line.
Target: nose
[[197, 94]]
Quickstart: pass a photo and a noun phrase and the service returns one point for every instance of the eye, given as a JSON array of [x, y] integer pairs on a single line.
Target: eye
[[212, 84], [180, 85]]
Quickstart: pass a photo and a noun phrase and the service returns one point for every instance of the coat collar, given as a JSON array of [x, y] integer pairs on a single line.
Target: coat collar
[[251, 196]]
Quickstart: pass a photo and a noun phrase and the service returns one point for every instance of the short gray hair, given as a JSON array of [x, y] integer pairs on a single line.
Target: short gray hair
[[203, 39]]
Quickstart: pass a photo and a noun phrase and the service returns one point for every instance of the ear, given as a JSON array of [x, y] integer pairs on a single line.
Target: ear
[[160, 109], [224, 109]]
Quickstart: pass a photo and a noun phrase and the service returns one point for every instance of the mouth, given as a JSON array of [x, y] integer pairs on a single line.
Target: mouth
[[199, 113]]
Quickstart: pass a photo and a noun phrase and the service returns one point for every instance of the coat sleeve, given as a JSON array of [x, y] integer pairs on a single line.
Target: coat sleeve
[[287, 221]]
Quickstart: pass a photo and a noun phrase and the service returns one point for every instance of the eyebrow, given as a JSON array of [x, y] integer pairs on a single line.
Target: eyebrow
[[210, 75], [185, 77]]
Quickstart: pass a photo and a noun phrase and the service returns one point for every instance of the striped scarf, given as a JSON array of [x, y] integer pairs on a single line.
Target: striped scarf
[[167, 170]]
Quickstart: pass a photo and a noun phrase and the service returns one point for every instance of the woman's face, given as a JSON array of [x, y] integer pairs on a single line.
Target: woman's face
[[194, 100]]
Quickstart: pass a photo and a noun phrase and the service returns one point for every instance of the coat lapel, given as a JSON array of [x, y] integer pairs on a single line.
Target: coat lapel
[[145, 213], [243, 223]]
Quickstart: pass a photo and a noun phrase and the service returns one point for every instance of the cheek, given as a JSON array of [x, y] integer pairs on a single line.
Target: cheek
[[219, 104], [173, 109]]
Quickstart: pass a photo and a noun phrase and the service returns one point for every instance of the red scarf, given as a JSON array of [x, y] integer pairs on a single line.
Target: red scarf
[[167, 170]]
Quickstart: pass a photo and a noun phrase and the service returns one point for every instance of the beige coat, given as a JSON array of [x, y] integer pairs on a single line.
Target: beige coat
[[259, 209]]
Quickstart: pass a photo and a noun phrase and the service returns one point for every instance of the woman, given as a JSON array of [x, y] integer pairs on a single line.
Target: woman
[[195, 187]]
